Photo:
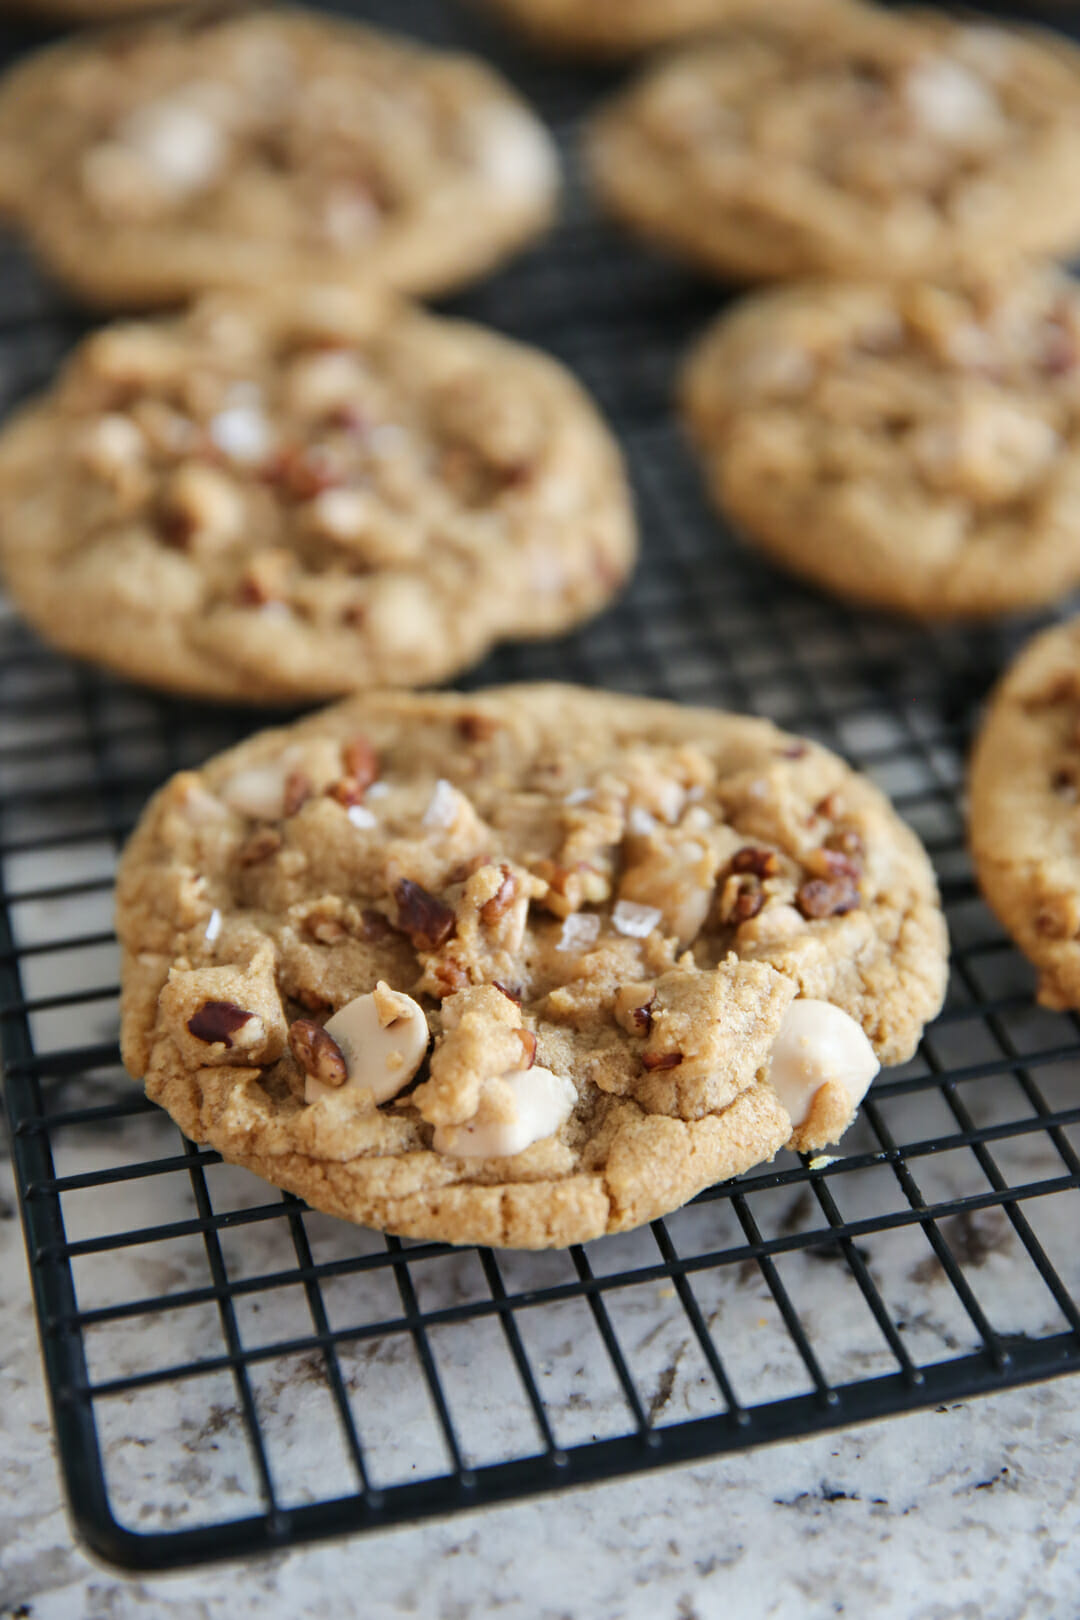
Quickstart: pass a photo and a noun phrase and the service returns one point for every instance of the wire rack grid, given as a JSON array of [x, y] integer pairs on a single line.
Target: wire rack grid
[[231, 1372]]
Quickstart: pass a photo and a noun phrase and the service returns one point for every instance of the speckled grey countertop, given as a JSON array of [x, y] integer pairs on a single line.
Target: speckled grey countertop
[[973, 1510]]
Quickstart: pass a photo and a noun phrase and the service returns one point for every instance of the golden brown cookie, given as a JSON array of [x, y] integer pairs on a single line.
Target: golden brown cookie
[[520, 967], [1024, 790], [916, 448], [159, 158], [290, 498], [863, 143]]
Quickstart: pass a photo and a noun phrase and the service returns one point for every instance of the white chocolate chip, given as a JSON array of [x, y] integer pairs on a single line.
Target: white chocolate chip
[[110, 444], [377, 790], [951, 103], [579, 930], [242, 433], [258, 792], [342, 514], [208, 502], [381, 1057], [182, 146], [213, 926], [542, 1103], [641, 822], [516, 155], [580, 795], [443, 805], [350, 215], [817, 1043], [361, 816], [636, 922]]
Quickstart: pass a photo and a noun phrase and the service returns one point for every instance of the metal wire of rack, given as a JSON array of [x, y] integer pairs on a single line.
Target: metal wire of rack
[[258, 1374]]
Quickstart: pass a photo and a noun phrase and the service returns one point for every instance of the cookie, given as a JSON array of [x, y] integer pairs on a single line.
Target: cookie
[[863, 143], [289, 498], [1023, 792], [612, 28], [158, 159], [913, 448], [520, 967]]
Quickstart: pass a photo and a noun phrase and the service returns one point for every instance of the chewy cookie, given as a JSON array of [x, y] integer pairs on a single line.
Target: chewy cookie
[[914, 448], [158, 159], [291, 498], [578, 921], [1024, 789], [862, 143]]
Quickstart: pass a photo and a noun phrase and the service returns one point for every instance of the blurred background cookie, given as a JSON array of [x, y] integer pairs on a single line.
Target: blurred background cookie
[[1024, 788], [156, 159], [863, 142], [915, 448], [271, 499]]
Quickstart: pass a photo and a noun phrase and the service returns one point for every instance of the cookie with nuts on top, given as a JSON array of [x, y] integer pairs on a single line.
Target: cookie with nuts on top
[[1023, 793], [157, 159], [523, 966], [913, 448], [855, 142], [290, 498]]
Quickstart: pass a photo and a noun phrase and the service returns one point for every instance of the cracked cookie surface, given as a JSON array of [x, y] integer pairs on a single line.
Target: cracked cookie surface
[[158, 159], [915, 448], [863, 143], [603, 907], [295, 497], [1024, 788]]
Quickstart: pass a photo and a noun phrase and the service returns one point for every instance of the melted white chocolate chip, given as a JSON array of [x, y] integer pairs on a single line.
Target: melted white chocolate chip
[[817, 1044], [542, 1101], [382, 1037]]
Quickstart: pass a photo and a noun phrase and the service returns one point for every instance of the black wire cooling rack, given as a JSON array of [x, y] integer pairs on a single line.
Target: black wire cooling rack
[[230, 1372]]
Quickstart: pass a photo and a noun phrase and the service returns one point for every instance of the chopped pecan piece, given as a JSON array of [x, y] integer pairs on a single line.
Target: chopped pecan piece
[[762, 863], [477, 727], [512, 992], [828, 897], [259, 847], [218, 1021], [661, 1060], [748, 902], [301, 473], [496, 908], [449, 977], [298, 791], [361, 762], [317, 1052], [832, 863], [847, 841], [528, 1044], [642, 1017], [347, 791], [427, 920]]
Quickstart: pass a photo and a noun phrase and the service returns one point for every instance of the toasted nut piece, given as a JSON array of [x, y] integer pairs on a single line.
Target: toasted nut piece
[[818, 1044], [317, 1053], [827, 897], [379, 1057], [426, 919], [541, 1102], [218, 1021], [632, 1007]]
